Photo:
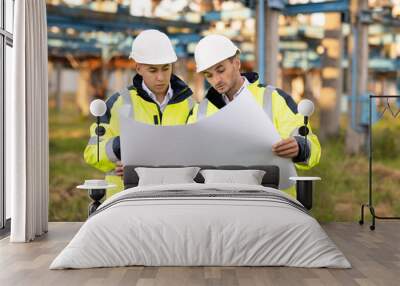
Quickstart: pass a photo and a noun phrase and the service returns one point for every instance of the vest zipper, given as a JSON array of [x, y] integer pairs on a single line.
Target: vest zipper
[[155, 118], [159, 110], [159, 114]]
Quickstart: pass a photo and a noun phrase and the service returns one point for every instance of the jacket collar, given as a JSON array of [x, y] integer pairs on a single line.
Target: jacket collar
[[216, 98], [180, 89]]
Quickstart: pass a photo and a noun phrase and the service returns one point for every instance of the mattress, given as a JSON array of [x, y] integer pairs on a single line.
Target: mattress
[[201, 225]]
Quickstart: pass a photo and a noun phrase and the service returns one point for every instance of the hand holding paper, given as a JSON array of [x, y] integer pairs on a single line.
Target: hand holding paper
[[286, 148]]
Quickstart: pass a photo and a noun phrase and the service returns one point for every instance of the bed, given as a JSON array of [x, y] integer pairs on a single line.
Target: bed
[[201, 224]]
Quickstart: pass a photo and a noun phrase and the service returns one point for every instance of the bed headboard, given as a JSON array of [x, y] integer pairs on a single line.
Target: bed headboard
[[270, 179]]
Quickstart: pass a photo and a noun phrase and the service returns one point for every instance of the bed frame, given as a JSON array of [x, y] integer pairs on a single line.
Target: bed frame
[[270, 179]]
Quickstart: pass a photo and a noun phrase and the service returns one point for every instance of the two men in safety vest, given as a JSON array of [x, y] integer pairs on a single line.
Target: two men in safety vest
[[157, 96]]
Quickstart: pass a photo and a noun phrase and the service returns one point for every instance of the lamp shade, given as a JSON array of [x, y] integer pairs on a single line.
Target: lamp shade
[[98, 107], [306, 107]]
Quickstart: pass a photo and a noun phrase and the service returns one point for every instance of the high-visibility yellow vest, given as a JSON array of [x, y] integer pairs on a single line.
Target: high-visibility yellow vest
[[281, 109], [142, 109]]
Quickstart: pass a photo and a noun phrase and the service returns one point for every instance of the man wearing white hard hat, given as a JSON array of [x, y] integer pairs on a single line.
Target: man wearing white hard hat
[[217, 58], [156, 96]]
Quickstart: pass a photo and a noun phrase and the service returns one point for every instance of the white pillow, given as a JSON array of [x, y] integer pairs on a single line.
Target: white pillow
[[165, 176], [248, 177]]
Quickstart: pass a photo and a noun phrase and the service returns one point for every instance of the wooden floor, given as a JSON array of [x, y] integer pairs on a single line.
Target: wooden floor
[[374, 255]]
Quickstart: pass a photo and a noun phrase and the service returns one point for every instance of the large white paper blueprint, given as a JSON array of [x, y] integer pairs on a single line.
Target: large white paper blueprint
[[239, 134]]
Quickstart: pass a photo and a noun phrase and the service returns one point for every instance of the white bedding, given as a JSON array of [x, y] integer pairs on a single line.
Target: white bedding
[[187, 230]]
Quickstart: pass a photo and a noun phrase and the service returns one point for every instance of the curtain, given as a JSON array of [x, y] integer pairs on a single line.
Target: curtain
[[27, 158]]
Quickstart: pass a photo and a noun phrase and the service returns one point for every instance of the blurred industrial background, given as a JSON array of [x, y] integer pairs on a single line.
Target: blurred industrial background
[[335, 53]]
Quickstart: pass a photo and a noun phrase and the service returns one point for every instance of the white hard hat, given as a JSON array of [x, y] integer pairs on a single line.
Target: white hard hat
[[153, 47], [213, 49]]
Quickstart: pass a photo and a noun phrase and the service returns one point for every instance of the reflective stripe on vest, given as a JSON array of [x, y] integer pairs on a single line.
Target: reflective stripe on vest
[[126, 97], [202, 111], [93, 140], [267, 100], [111, 173], [190, 102], [110, 152]]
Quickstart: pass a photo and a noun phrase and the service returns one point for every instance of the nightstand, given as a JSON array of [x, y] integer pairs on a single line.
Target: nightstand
[[96, 191], [304, 190]]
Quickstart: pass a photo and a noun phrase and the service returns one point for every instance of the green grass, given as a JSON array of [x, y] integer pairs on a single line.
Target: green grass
[[69, 133], [344, 185]]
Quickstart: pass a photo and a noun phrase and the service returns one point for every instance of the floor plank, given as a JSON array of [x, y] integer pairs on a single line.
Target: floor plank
[[374, 255]]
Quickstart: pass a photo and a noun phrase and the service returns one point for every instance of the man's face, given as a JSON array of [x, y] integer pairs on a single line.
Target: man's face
[[156, 77], [223, 75]]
